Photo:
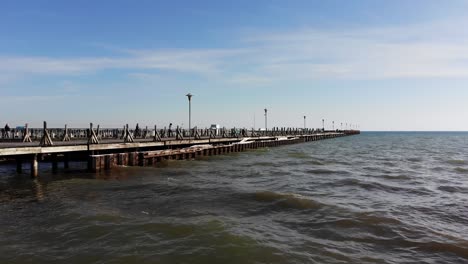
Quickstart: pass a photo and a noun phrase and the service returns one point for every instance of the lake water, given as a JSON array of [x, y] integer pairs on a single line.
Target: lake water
[[371, 198]]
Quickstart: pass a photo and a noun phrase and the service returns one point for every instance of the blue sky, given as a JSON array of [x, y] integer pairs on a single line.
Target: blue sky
[[385, 65]]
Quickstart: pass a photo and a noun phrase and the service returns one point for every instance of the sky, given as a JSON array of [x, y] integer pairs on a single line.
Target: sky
[[378, 65]]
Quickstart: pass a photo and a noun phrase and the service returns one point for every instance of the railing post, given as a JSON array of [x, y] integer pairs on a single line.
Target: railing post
[[46, 140], [127, 136], [65, 136], [92, 138], [26, 134], [157, 136]]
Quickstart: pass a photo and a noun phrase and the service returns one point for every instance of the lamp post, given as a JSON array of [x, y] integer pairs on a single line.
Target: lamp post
[[323, 124], [304, 123], [333, 125], [266, 127], [189, 96]]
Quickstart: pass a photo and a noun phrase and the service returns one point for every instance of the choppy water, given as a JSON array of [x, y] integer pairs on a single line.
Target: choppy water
[[372, 198]]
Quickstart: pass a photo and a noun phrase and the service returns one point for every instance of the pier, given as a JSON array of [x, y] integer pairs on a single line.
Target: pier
[[104, 149]]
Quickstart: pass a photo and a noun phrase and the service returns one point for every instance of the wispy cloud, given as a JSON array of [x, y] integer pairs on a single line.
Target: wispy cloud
[[416, 51], [194, 61], [30, 98], [437, 49], [7, 78]]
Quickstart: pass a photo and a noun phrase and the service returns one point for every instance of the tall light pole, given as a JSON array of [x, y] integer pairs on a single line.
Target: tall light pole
[[189, 96], [341, 126], [266, 127], [323, 124], [304, 122], [333, 125]]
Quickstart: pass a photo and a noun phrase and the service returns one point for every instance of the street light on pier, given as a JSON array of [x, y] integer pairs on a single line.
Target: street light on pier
[[323, 124], [304, 122], [333, 125], [189, 96], [266, 127]]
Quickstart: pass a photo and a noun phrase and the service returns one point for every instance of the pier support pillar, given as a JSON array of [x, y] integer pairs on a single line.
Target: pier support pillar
[[122, 159], [141, 159], [54, 163], [132, 158], [34, 166], [90, 160], [108, 161], [95, 162], [19, 165], [66, 160]]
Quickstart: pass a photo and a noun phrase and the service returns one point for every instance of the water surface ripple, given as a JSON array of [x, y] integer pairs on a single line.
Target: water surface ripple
[[372, 198]]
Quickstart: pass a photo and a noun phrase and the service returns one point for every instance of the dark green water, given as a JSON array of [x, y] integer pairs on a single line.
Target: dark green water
[[372, 198]]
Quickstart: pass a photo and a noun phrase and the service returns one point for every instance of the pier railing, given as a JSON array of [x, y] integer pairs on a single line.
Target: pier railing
[[141, 147], [46, 136]]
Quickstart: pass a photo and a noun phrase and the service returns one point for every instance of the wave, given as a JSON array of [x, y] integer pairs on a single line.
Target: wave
[[287, 200], [107, 218], [315, 162], [325, 171], [460, 170], [278, 164], [263, 164], [389, 164], [373, 219], [460, 249], [397, 177], [197, 240], [377, 169], [452, 189], [456, 162], [371, 186], [414, 159], [364, 220], [438, 169], [297, 155], [342, 162]]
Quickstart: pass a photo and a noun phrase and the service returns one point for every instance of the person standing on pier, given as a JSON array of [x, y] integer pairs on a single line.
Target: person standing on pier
[[137, 131], [7, 131], [169, 132]]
